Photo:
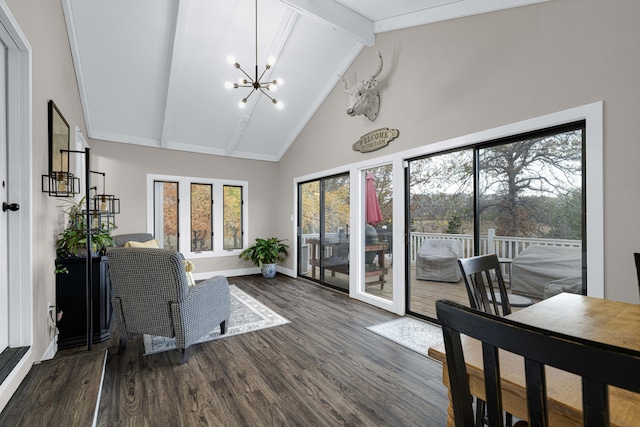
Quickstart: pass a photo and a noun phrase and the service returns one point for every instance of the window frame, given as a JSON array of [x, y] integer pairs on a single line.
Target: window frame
[[184, 212]]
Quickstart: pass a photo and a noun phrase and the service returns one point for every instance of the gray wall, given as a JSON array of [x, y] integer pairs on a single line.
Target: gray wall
[[455, 78]]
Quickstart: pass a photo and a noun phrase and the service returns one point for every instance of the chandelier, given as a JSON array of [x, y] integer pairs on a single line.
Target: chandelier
[[256, 84]]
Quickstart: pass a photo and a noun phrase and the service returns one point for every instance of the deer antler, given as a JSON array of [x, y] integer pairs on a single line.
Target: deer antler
[[344, 83], [377, 73]]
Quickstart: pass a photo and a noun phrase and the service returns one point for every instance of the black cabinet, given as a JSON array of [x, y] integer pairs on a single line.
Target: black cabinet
[[71, 300]]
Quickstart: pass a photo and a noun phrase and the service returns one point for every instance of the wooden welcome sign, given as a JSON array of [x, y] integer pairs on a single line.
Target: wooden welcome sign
[[375, 140]]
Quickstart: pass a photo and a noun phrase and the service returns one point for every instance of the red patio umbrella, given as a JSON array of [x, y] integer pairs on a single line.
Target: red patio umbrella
[[374, 215]]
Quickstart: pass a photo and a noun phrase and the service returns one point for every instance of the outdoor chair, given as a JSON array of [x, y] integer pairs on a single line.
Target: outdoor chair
[[598, 364], [151, 296], [436, 260]]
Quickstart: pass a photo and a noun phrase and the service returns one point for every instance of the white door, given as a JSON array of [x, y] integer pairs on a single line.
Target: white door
[[4, 289]]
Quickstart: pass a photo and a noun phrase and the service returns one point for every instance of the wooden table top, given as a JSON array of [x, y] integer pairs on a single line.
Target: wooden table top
[[591, 318]]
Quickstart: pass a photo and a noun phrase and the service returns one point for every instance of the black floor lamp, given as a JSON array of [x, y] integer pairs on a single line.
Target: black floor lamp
[[97, 216]]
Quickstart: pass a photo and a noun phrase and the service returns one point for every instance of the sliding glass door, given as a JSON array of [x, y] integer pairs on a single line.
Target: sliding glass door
[[323, 237], [521, 198]]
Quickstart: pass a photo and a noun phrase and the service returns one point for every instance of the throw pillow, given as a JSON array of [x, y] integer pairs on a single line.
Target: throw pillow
[[148, 244], [189, 267]]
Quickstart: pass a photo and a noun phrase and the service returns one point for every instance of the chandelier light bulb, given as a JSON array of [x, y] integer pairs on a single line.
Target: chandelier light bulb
[[278, 82], [279, 105], [228, 85], [257, 84]]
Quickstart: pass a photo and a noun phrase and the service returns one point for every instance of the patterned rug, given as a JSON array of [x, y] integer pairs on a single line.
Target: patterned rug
[[411, 333], [247, 315]]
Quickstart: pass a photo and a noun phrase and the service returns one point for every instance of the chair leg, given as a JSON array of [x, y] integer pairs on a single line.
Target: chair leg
[[223, 327], [480, 412], [184, 356], [122, 346]]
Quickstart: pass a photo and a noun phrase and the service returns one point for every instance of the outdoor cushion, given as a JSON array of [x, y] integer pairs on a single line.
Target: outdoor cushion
[[437, 260], [538, 265]]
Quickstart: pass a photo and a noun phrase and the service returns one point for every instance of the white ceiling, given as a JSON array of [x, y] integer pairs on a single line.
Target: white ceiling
[[152, 72]]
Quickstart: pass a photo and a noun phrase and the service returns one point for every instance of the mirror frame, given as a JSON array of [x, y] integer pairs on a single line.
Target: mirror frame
[[59, 136]]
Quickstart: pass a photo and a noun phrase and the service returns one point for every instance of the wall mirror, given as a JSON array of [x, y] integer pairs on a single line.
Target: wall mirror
[[58, 140]]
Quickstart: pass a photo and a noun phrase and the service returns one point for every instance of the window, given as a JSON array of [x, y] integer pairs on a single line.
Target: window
[[209, 222], [232, 217], [518, 197], [201, 217], [166, 214]]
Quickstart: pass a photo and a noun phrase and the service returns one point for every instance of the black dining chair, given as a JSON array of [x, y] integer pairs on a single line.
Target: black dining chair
[[487, 292], [599, 365], [485, 285]]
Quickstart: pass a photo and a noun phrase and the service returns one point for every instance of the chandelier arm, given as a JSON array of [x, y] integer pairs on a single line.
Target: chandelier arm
[[266, 94], [245, 73], [261, 75], [250, 93]]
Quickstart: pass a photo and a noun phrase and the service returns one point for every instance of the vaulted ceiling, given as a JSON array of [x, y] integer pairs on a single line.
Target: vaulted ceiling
[[152, 72]]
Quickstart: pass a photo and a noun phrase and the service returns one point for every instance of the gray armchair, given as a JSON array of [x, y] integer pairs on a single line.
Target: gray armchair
[[151, 296]]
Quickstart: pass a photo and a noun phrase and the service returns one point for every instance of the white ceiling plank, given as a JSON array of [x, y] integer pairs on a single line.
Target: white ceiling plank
[[173, 87], [337, 16], [446, 12], [151, 72], [342, 68]]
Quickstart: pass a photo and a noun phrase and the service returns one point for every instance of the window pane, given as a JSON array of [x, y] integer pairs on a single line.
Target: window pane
[[166, 214], [232, 213], [201, 217], [378, 223]]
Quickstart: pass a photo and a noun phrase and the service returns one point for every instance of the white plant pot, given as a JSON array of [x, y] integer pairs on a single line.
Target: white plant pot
[[269, 270]]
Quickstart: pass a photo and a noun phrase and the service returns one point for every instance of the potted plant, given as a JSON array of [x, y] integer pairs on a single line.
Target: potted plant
[[265, 253], [72, 241]]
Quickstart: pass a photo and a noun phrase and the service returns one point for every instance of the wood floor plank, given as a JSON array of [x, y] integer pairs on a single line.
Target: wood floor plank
[[61, 391], [322, 369]]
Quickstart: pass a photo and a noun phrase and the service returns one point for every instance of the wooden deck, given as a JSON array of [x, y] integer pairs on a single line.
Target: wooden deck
[[423, 293]]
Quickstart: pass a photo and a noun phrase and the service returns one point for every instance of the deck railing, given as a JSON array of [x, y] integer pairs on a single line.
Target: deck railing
[[503, 246]]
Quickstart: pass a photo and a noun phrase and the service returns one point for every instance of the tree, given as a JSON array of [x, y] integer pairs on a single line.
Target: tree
[[514, 172]]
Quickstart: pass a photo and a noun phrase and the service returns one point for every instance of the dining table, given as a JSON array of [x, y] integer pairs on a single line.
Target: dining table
[[596, 319]]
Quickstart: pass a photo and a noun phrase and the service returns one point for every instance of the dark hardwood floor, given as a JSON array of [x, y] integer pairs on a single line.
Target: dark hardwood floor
[[322, 369]]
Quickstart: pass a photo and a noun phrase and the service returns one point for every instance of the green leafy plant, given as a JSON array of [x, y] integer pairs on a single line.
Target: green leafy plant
[[72, 241], [265, 251]]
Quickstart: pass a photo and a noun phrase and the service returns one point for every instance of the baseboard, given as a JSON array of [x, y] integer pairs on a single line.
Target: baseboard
[[51, 351], [239, 272]]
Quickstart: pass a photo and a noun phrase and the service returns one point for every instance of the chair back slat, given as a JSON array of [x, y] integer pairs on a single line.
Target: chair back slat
[[536, 392], [597, 363], [492, 383], [595, 399], [485, 293]]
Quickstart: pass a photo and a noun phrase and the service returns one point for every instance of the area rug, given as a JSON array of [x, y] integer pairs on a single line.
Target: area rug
[[411, 333], [247, 315]]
